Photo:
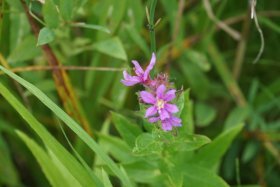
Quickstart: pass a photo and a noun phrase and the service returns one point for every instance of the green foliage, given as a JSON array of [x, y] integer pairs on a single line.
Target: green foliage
[[204, 179], [8, 172], [58, 176], [26, 50], [224, 96], [65, 118], [210, 155], [50, 14], [63, 155]]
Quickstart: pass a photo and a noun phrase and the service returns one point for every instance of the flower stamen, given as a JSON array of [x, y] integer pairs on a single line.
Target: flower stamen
[[160, 104]]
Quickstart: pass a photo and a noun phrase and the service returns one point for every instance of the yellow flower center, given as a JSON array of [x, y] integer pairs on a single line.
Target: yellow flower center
[[160, 104]]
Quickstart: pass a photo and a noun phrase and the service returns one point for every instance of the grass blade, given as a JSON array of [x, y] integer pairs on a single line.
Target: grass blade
[[71, 124]]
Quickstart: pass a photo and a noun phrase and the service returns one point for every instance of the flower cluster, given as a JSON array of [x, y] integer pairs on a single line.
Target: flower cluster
[[157, 94]]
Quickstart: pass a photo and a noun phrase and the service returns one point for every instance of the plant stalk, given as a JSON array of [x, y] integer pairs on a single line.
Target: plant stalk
[[152, 25]]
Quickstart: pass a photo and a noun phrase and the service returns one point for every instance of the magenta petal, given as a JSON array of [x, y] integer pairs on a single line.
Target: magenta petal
[[126, 75], [166, 126], [129, 77], [151, 111], [163, 114], [138, 70], [160, 91], [177, 124], [147, 97], [176, 121], [129, 83], [171, 108], [150, 66], [153, 119], [170, 95], [129, 80]]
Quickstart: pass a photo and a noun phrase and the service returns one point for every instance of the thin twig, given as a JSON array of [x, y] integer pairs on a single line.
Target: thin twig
[[241, 48], [233, 33], [239, 18], [71, 68], [255, 17]]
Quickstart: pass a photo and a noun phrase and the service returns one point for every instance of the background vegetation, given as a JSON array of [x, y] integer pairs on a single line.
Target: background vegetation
[[74, 51]]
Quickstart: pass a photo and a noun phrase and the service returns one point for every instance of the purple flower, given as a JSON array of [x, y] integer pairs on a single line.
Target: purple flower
[[160, 102], [168, 123], [142, 76]]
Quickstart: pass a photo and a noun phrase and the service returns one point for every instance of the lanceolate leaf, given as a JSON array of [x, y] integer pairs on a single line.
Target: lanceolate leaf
[[69, 122], [196, 176], [65, 157], [210, 155], [53, 174]]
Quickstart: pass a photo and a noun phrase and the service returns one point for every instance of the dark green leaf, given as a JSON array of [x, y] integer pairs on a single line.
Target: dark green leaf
[[8, 172], [196, 176], [210, 155], [57, 175]]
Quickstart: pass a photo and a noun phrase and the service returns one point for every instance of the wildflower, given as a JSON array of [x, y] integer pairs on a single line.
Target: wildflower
[[142, 77], [160, 102], [168, 123]]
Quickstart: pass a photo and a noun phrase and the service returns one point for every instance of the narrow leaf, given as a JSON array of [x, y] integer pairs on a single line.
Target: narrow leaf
[[53, 174], [71, 124], [195, 176], [210, 155], [65, 157]]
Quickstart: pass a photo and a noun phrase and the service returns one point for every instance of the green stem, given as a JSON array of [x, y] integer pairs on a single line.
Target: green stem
[[152, 25], [237, 172]]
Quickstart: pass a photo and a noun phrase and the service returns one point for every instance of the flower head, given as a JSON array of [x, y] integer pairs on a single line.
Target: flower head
[[156, 95], [142, 76], [160, 102]]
